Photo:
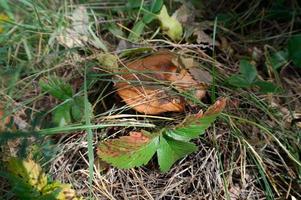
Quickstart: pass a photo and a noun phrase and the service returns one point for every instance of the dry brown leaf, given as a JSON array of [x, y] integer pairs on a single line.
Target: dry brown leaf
[[217, 107], [202, 37], [146, 85], [185, 14]]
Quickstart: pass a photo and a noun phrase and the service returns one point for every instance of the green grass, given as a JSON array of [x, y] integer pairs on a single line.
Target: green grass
[[253, 148]]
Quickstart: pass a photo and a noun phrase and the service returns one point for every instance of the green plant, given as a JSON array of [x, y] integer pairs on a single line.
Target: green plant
[[149, 14], [277, 59], [28, 181], [247, 78], [71, 108], [294, 49], [171, 144]]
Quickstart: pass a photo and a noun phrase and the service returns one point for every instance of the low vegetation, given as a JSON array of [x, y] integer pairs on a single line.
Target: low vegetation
[[150, 99]]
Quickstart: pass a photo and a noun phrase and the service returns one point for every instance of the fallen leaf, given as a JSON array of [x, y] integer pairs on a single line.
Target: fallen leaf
[[185, 14], [201, 76], [80, 20], [146, 84], [202, 37], [198, 74], [70, 38], [78, 34], [183, 62]]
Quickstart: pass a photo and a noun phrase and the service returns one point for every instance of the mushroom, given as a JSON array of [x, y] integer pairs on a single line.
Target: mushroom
[[151, 85]]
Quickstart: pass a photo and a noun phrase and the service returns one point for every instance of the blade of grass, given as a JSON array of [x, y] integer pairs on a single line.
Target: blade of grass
[[213, 97], [270, 134], [77, 127], [89, 135]]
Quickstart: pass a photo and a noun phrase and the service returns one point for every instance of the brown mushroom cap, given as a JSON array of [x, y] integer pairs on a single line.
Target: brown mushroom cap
[[147, 85]]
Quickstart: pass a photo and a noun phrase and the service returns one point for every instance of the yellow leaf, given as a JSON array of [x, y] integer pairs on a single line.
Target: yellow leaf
[[170, 25], [3, 19], [62, 191], [29, 171]]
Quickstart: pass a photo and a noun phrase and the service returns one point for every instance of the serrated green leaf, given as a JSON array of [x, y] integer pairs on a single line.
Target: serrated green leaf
[[248, 71], [61, 115], [238, 81], [171, 145], [194, 126], [267, 87], [193, 130], [294, 49], [136, 32], [171, 150], [57, 88], [78, 107], [129, 151]]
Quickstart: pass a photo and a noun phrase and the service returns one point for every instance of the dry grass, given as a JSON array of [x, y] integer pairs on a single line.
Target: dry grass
[[248, 154]]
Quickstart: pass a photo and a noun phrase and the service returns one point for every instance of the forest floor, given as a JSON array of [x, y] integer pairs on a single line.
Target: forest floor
[[57, 52]]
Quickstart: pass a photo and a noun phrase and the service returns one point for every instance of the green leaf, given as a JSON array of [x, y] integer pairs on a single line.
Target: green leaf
[[267, 87], [115, 30], [294, 49], [195, 125], [59, 191], [139, 147], [20, 188], [278, 59], [134, 3], [248, 71], [171, 150], [28, 181], [78, 109], [238, 81], [129, 151], [61, 115], [136, 32], [150, 14], [29, 171], [193, 130], [57, 88], [170, 25]]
